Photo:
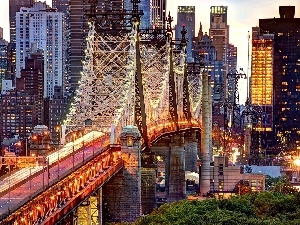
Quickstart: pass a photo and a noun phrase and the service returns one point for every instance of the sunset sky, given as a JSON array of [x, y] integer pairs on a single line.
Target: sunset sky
[[242, 16]]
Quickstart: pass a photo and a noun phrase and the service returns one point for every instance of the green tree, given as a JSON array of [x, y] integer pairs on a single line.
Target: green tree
[[280, 184], [242, 187]]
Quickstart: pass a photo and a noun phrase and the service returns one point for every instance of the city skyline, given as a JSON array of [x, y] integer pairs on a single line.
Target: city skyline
[[241, 19]]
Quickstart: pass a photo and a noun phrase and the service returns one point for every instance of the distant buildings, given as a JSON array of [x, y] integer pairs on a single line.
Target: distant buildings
[[14, 7], [3, 59], [23, 107], [41, 26]]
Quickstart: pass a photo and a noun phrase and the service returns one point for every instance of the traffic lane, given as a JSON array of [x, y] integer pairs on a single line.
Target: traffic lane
[[24, 192]]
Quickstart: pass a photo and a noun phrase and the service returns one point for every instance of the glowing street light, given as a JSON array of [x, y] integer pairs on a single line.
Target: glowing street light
[[74, 136], [297, 163]]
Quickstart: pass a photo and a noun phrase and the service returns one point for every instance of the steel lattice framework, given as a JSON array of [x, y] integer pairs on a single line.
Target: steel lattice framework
[[155, 70], [134, 77], [106, 83]]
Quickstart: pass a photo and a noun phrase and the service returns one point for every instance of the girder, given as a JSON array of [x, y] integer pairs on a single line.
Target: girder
[[106, 82], [155, 77], [134, 77], [195, 93]]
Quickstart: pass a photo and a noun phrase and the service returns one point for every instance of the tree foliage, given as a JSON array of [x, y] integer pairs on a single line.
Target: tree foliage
[[264, 208], [242, 188], [280, 184]]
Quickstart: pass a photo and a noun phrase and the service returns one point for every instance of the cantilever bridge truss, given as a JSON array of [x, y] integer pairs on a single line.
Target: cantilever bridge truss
[[134, 77]]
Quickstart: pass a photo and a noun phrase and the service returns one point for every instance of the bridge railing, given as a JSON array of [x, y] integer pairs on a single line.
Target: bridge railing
[[53, 181], [60, 155], [158, 128]]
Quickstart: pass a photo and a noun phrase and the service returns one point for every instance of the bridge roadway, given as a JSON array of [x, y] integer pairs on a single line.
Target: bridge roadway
[[27, 183]]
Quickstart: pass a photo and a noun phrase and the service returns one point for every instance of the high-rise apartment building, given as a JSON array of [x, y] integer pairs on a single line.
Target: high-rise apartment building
[[58, 108], [232, 57], [275, 74], [186, 17], [14, 7], [11, 62], [61, 5], [232, 67], [78, 29], [261, 93], [158, 14], [3, 59], [22, 107], [202, 44], [41, 27]]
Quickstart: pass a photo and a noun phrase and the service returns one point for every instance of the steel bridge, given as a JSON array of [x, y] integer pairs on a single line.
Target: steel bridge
[[130, 77]]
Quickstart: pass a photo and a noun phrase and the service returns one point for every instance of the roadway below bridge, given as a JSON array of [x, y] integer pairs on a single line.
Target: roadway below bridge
[[37, 179]]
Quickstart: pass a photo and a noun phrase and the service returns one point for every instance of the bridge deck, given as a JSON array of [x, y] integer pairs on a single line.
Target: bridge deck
[[38, 182]]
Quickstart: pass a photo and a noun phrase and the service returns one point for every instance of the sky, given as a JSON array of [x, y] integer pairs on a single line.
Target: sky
[[242, 16]]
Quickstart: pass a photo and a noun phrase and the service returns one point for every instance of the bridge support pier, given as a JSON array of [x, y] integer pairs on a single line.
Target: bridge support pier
[[191, 152], [122, 194], [148, 175], [177, 183]]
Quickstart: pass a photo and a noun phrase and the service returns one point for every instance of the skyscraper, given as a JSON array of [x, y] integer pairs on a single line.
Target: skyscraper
[[14, 7], [275, 75], [219, 31], [158, 13], [61, 5], [22, 107], [41, 27], [3, 59], [232, 66], [186, 17]]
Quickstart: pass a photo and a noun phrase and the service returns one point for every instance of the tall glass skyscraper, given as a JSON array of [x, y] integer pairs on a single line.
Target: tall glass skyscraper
[[186, 17], [158, 13], [275, 76]]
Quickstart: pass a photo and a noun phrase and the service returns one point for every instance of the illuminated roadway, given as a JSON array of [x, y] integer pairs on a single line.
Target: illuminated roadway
[[21, 194]]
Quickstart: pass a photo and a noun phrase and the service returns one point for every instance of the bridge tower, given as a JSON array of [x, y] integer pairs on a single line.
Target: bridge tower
[[122, 194]]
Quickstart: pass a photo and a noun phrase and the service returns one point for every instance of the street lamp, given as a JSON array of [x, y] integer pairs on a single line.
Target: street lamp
[[82, 150], [58, 130], [74, 135], [297, 163], [93, 143]]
